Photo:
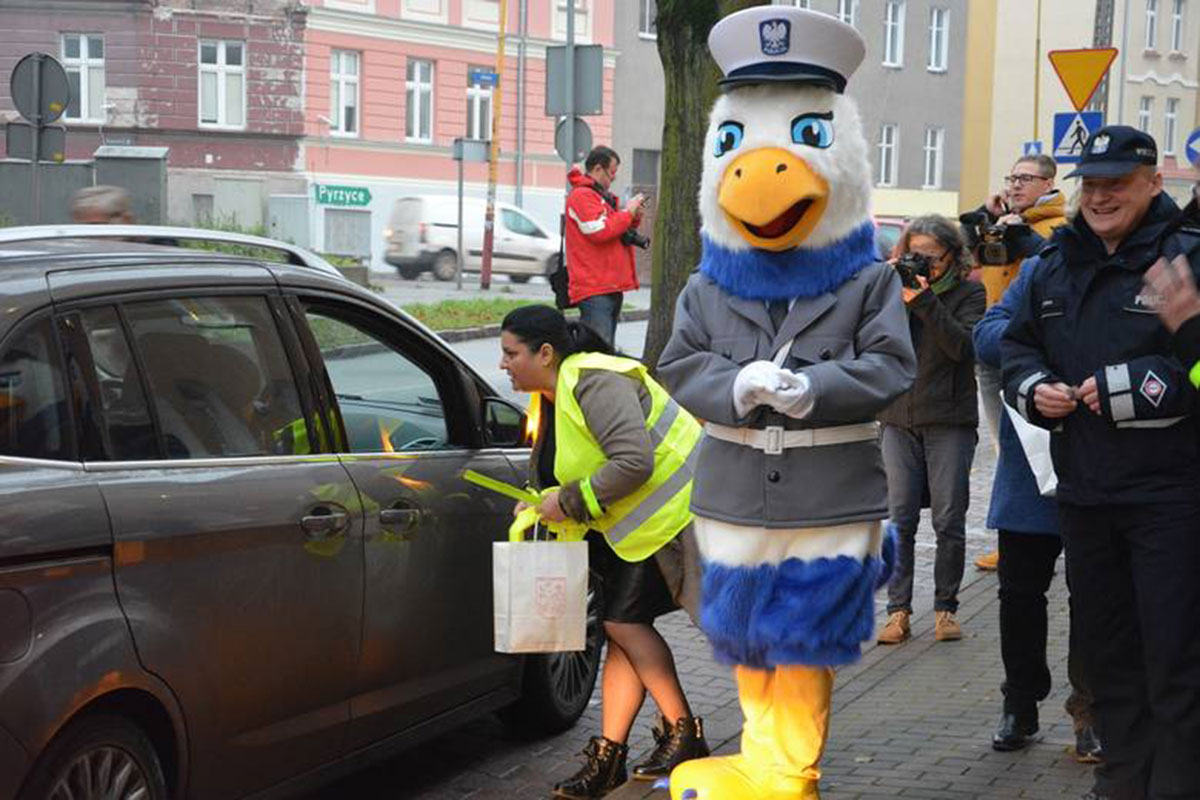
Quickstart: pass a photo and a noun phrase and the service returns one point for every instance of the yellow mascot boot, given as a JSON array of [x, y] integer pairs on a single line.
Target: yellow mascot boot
[[738, 777], [801, 726]]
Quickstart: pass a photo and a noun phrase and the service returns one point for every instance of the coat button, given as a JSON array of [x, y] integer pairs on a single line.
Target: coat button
[[773, 476], [826, 354]]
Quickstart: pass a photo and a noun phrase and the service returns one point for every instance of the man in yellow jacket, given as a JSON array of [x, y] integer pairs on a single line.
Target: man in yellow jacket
[[1029, 197]]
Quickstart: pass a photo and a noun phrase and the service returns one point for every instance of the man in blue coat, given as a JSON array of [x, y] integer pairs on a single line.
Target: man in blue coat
[[1029, 545]]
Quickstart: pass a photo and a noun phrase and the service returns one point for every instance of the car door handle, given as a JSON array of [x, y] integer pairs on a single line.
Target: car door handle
[[404, 517], [323, 521]]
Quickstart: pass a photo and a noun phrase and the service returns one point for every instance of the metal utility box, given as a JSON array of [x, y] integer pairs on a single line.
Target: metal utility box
[[141, 171]]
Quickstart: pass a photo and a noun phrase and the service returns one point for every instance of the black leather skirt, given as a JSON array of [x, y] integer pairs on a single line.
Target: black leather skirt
[[633, 591]]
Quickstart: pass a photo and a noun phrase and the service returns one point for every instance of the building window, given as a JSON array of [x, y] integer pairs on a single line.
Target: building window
[[223, 84], [893, 34], [1169, 124], [1151, 24], [83, 59], [848, 12], [1145, 107], [343, 89], [648, 19], [887, 154], [645, 169], [418, 118], [479, 104], [939, 39], [1177, 27], [933, 158], [582, 18]]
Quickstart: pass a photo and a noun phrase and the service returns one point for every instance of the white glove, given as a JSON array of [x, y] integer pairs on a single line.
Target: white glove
[[756, 383], [796, 399]]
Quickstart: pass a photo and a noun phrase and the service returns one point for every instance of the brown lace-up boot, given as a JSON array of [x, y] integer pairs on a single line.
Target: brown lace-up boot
[[603, 772], [676, 744]]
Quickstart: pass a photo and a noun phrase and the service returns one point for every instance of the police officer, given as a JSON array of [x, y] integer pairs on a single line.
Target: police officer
[[1086, 356]]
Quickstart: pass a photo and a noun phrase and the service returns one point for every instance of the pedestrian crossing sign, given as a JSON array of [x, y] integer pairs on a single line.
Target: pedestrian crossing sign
[[1033, 148], [1071, 132]]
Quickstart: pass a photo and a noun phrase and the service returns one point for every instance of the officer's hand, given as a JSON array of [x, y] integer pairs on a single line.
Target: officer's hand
[[1172, 281], [550, 510], [911, 294], [1089, 393], [1054, 400]]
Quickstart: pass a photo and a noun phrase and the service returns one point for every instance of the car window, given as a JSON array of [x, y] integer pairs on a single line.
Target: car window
[[219, 379], [34, 421], [517, 222], [387, 402], [125, 427]]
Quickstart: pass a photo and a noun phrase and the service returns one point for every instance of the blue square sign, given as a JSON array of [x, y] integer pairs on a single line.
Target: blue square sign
[[1071, 132]]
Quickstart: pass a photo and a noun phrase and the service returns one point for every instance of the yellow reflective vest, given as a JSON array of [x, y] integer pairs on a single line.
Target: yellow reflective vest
[[638, 524]]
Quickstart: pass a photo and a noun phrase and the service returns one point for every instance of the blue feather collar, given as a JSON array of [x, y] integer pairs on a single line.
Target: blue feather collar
[[799, 272]]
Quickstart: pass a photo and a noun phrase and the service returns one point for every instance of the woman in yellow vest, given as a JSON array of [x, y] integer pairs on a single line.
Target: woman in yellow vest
[[622, 453]]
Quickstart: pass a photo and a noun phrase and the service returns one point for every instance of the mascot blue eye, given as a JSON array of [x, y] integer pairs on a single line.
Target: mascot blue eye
[[729, 137], [814, 130]]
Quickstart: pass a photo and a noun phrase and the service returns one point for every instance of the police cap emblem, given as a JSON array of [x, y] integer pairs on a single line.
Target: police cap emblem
[[1100, 144], [775, 36]]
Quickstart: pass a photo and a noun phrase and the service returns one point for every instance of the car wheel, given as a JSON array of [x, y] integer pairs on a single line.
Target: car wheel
[[410, 273], [102, 757], [445, 265], [557, 686], [551, 265], [519, 278]]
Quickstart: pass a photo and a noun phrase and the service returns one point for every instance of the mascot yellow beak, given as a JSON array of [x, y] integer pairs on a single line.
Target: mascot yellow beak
[[772, 198]]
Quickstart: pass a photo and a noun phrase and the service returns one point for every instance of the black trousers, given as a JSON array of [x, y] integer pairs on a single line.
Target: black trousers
[[1026, 569], [1135, 576]]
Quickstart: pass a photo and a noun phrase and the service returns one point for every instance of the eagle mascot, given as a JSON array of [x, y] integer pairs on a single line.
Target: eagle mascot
[[787, 341]]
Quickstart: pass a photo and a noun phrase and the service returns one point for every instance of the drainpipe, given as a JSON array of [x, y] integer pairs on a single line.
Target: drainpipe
[[523, 28], [1124, 49]]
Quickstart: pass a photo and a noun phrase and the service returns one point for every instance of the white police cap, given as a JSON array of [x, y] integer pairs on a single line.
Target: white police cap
[[779, 43]]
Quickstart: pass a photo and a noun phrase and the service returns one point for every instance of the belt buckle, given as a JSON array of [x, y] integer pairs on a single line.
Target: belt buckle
[[774, 443]]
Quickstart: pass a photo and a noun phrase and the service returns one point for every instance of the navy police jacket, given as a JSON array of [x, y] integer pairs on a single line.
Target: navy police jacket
[[1086, 314]]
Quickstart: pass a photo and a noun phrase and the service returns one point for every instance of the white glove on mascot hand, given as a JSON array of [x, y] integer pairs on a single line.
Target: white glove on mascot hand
[[757, 383], [794, 397]]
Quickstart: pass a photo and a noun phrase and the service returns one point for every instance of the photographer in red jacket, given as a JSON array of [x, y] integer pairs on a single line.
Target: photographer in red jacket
[[599, 242]]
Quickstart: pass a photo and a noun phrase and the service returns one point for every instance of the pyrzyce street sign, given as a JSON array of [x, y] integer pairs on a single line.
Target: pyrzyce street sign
[[352, 196]]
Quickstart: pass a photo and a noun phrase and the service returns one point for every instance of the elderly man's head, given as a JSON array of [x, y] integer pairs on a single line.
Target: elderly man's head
[[1120, 179], [101, 205]]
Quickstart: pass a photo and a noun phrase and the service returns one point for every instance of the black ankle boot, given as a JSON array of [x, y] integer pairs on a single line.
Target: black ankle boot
[[603, 772], [677, 743]]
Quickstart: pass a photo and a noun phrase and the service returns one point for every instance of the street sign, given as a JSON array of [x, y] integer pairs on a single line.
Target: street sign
[[1031, 149], [1071, 132], [589, 80], [39, 88], [583, 140], [471, 150], [346, 196], [484, 77], [52, 142], [1081, 71], [1192, 148]]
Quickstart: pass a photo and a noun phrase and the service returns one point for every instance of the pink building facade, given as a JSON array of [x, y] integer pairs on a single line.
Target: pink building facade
[[389, 85]]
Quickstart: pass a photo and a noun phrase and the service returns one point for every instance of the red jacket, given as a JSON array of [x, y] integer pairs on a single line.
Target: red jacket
[[597, 261]]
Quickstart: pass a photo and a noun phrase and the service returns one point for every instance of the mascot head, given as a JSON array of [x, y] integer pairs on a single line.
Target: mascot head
[[785, 195]]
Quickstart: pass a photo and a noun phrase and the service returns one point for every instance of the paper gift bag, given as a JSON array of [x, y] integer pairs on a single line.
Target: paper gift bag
[[539, 596], [1035, 442]]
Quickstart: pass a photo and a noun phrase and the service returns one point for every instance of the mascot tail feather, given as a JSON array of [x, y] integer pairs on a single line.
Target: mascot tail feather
[[890, 543]]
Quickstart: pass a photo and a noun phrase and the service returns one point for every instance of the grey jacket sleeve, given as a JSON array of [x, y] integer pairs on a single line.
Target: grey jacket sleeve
[[885, 364], [699, 379], [615, 410]]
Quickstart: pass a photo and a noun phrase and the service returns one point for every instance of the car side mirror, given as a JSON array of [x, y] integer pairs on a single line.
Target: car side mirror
[[504, 423]]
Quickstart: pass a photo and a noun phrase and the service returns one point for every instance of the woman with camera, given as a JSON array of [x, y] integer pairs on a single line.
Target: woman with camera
[[929, 433]]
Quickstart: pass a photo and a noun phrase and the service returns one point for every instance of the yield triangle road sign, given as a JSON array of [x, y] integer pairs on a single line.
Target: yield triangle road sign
[[1081, 71]]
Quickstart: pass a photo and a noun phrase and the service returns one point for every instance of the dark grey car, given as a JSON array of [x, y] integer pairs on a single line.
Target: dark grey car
[[237, 556]]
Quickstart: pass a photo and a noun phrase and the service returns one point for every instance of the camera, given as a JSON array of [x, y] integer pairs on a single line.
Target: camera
[[634, 239], [994, 244], [910, 265]]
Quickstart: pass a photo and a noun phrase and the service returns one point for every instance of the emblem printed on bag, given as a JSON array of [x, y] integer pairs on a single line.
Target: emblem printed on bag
[[1153, 388], [550, 597]]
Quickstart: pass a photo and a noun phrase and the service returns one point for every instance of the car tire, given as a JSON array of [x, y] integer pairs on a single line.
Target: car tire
[[88, 759], [410, 273], [519, 278], [445, 265], [551, 265], [556, 687]]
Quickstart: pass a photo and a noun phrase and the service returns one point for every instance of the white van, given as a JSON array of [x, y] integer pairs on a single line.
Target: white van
[[423, 235]]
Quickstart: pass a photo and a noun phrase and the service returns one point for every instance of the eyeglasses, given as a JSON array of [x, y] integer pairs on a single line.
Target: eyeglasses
[[1022, 180]]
